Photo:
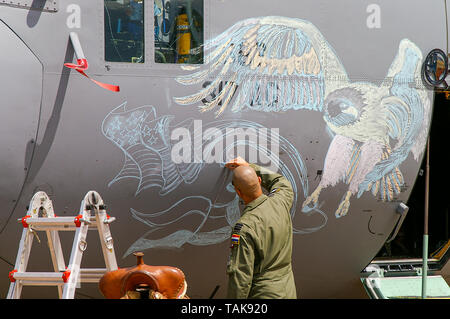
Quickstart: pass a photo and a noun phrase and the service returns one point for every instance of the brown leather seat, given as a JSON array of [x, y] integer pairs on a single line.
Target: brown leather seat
[[143, 281]]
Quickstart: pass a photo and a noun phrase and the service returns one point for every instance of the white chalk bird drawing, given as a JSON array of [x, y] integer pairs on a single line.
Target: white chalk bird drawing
[[276, 64]]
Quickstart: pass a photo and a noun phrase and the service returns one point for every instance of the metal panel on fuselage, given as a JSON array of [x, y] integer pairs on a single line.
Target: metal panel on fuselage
[[20, 91]]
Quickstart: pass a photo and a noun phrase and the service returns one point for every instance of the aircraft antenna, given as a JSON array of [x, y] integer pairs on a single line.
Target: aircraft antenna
[[446, 24], [425, 230]]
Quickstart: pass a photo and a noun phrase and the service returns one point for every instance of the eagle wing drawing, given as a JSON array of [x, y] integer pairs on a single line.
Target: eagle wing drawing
[[271, 64]]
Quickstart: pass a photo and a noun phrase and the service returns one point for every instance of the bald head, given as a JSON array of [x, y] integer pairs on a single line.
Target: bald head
[[247, 183]]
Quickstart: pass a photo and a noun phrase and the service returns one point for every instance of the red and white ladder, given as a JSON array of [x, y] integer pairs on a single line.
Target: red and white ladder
[[41, 217]]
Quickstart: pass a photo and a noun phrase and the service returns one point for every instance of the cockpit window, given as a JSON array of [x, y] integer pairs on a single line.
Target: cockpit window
[[124, 30], [179, 31]]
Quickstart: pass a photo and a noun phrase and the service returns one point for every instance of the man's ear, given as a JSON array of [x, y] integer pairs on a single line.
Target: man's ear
[[238, 192], [259, 179]]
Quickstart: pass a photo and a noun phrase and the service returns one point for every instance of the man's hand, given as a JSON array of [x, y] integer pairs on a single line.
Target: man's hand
[[238, 161]]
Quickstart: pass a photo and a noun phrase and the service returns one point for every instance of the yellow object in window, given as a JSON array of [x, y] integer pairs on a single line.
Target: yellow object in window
[[183, 38]]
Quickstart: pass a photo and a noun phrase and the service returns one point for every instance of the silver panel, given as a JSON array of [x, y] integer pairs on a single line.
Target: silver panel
[[44, 5], [21, 90]]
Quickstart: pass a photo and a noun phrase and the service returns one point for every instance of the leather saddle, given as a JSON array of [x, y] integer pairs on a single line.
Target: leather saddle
[[143, 281]]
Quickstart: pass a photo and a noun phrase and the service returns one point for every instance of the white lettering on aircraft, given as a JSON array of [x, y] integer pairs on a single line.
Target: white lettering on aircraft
[[74, 19], [374, 19]]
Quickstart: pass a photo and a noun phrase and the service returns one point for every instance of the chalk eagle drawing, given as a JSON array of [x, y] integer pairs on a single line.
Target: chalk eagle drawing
[[205, 209], [275, 64]]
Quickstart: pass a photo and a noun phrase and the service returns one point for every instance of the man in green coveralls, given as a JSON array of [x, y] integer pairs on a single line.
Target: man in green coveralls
[[261, 251]]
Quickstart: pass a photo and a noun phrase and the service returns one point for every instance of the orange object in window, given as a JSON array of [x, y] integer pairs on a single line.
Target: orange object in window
[[183, 38]]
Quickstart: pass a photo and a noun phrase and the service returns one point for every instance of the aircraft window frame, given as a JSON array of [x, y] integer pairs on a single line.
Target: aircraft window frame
[[149, 41], [179, 19], [122, 25]]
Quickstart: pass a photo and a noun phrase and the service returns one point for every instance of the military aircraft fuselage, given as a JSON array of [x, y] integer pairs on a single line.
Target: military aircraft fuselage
[[328, 93]]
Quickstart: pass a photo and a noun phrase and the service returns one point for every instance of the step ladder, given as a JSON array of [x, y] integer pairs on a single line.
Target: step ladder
[[41, 217]]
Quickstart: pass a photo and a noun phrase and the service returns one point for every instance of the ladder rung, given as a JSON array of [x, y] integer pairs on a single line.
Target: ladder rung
[[54, 223], [60, 228], [40, 278], [93, 271], [92, 274], [41, 283], [56, 278], [50, 221]]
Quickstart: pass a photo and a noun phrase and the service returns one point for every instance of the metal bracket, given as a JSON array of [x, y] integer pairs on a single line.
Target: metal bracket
[[109, 242], [402, 209]]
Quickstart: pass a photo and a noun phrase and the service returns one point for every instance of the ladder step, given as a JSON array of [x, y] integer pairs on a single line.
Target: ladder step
[[55, 223], [41, 278], [91, 275], [93, 271]]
